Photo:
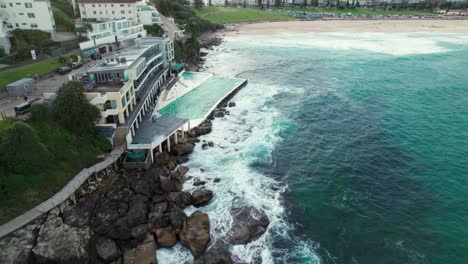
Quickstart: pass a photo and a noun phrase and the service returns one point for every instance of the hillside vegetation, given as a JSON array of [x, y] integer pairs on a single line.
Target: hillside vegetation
[[225, 15]]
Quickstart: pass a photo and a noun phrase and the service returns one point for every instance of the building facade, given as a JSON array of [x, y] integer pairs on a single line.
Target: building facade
[[25, 14], [126, 77], [105, 10], [110, 35]]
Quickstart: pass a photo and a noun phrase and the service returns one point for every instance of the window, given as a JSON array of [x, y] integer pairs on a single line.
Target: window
[[28, 5], [17, 25], [33, 25], [93, 5], [122, 11], [84, 13], [94, 12], [18, 3], [113, 12], [20, 14], [31, 15], [82, 5], [99, 5], [3, 5], [11, 5], [24, 24], [129, 11], [121, 5], [112, 5], [100, 12]]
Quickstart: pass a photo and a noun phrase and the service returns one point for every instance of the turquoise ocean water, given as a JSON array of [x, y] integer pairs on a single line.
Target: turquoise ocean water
[[355, 145]]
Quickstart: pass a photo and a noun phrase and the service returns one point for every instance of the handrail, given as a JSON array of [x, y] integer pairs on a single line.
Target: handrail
[[60, 197]]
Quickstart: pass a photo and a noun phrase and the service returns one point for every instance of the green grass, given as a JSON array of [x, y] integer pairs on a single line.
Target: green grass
[[71, 153], [224, 15], [360, 11], [28, 71]]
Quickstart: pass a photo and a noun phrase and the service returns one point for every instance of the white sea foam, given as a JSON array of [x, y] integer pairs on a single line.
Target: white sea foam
[[387, 43]]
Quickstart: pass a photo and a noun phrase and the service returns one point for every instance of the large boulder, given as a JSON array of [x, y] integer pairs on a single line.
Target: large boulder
[[145, 253], [217, 253], [180, 199], [80, 214], [201, 197], [164, 159], [182, 149], [138, 208], [107, 250], [167, 184], [158, 216], [195, 233], [61, 243], [16, 248], [248, 224], [166, 236], [177, 218], [203, 129]]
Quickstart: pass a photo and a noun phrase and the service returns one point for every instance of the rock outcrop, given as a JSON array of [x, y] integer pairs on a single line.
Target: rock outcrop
[[217, 253], [248, 224], [143, 254], [201, 197], [60, 243], [16, 248], [195, 233]]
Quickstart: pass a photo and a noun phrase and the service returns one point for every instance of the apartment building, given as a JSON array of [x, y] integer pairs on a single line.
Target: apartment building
[[110, 35], [102, 10], [25, 14], [125, 79]]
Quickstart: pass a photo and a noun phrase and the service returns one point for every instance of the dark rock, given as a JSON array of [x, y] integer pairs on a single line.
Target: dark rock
[[159, 197], [119, 194], [138, 233], [217, 253], [202, 170], [164, 159], [210, 144], [182, 149], [61, 243], [248, 224], [231, 104], [201, 197], [141, 185], [158, 217], [180, 199], [186, 198], [80, 214], [182, 159], [203, 129], [107, 249], [219, 114], [167, 184], [143, 254], [198, 182], [166, 236], [116, 230], [204, 146], [108, 212], [195, 233], [216, 180], [137, 213], [177, 218]]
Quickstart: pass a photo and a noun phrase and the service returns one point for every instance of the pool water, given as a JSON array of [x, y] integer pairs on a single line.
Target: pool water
[[198, 102]]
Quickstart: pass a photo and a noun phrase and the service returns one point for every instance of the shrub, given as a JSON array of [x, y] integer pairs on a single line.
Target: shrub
[[41, 112]]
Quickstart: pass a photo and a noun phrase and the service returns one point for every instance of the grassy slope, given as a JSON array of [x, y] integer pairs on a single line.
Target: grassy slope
[[28, 71], [71, 154], [231, 15], [359, 11]]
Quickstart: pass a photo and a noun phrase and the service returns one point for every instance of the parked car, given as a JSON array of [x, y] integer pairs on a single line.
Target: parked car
[[64, 69], [76, 65]]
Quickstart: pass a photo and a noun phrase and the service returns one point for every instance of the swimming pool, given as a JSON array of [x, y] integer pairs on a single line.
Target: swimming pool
[[198, 102]]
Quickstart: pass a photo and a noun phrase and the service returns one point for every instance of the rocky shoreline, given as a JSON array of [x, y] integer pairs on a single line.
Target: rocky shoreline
[[125, 216]]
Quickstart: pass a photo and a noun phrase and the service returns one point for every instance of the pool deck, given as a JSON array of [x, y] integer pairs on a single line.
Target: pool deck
[[150, 133]]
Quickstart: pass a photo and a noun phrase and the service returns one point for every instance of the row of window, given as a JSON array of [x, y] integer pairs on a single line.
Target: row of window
[[30, 15], [105, 5], [27, 5], [113, 12], [33, 25]]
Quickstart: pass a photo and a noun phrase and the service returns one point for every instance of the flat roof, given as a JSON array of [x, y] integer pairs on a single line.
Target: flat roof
[[150, 132]]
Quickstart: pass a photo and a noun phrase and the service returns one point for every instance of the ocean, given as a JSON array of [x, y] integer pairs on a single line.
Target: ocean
[[354, 144]]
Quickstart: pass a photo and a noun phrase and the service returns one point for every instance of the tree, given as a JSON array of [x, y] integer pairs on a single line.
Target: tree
[[226, 3], [347, 4], [245, 4], [154, 30], [357, 4], [210, 4], [21, 150], [73, 111], [198, 4]]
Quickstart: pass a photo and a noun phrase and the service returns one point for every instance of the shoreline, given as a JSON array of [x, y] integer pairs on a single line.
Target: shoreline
[[347, 26]]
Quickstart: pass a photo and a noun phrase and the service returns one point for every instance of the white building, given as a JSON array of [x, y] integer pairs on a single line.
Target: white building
[[102, 10], [26, 14], [4, 40], [109, 35]]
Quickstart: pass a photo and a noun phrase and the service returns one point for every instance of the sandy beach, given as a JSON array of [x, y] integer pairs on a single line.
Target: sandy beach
[[397, 26]]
